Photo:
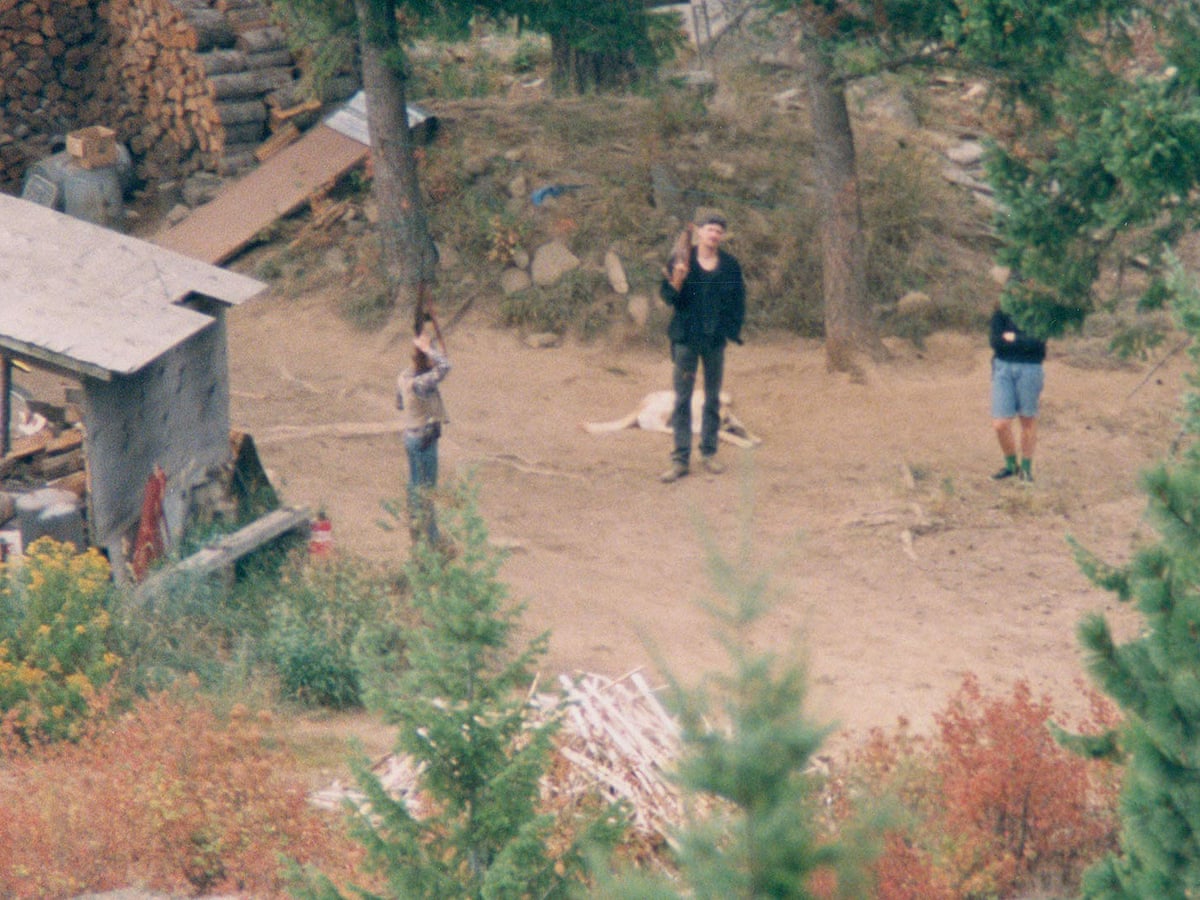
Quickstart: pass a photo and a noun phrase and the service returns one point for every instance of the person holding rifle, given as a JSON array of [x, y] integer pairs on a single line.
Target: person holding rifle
[[419, 398], [703, 285]]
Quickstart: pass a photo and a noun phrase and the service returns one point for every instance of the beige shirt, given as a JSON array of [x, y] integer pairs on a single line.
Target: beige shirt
[[418, 397]]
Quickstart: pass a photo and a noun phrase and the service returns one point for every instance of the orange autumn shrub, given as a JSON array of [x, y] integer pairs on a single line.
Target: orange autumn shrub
[[1022, 810], [989, 805], [167, 797]]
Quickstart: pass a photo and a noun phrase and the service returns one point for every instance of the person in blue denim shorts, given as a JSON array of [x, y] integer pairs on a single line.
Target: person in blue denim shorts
[[1017, 379], [419, 398]]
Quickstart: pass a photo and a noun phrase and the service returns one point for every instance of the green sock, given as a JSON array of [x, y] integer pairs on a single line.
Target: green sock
[[1010, 462], [1027, 466]]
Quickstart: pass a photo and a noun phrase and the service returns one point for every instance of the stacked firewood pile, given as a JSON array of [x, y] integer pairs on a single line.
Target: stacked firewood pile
[[197, 75], [186, 84], [45, 50], [616, 740]]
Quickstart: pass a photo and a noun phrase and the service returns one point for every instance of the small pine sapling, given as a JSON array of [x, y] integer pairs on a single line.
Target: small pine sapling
[[463, 708]]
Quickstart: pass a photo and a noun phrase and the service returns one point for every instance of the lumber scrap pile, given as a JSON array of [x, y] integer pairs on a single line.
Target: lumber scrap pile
[[47, 450], [616, 740], [185, 84]]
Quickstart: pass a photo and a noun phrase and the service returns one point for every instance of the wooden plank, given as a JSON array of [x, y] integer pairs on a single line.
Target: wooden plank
[[218, 230], [228, 549]]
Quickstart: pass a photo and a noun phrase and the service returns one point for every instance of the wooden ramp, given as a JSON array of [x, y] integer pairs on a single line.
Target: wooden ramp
[[218, 230]]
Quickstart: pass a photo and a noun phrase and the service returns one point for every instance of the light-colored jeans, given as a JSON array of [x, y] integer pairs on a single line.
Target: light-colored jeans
[[1016, 389]]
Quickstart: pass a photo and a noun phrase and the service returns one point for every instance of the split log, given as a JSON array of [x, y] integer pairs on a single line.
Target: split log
[[240, 112], [261, 39], [252, 83], [244, 133], [212, 30], [270, 59], [221, 62]]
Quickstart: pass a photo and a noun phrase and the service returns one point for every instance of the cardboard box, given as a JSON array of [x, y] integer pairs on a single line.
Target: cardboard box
[[93, 147]]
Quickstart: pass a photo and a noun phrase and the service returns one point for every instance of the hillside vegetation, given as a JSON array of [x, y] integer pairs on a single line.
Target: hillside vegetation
[[637, 165]]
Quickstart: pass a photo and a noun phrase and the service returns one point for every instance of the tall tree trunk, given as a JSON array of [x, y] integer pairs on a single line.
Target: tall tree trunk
[[409, 257], [850, 329], [574, 71]]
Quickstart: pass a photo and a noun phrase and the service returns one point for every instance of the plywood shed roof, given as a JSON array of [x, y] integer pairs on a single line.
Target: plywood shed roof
[[94, 301]]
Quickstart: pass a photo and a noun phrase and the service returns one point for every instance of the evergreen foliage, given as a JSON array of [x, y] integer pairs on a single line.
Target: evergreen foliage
[[761, 835], [1155, 678], [1102, 157], [465, 718]]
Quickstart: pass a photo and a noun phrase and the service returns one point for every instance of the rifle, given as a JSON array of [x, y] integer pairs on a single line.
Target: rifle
[[681, 250], [425, 311]]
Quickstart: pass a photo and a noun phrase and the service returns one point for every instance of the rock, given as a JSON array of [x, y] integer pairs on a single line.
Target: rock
[[792, 98], [513, 280], [518, 187], [1000, 274], [723, 170], [968, 153], [615, 272], [542, 340], [916, 305], [520, 258], [551, 262], [638, 309], [177, 214]]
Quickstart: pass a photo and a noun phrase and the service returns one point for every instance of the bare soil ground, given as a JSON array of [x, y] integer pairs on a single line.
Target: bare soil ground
[[614, 564]]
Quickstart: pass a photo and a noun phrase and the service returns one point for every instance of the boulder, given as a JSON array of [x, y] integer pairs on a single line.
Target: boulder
[[615, 272], [514, 280], [551, 262], [915, 305], [638, 309]]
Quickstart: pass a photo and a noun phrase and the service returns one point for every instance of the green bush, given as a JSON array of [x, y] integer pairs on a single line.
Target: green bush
[[56, 640], [317, 615], [557, 307]]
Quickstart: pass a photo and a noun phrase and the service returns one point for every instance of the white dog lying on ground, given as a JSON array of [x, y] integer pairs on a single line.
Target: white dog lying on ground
[[654, 414]]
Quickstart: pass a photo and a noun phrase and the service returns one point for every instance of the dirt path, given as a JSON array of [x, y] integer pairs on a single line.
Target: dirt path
[[613, 563]]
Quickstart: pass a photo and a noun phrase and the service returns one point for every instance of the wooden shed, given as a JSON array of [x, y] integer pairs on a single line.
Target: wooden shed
[[143, 331]]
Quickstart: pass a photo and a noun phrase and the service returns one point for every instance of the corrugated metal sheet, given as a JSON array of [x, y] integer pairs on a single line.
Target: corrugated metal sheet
[[351, 119]]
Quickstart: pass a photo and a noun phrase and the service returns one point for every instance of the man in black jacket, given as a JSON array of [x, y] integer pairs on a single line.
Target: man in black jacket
[[1017, 379], [708, 295]]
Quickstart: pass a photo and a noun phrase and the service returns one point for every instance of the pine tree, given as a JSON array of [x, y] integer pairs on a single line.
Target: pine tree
[[464, 716], [762, 836], [1155, 677]]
